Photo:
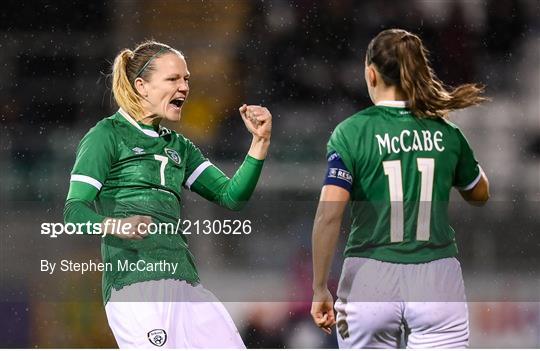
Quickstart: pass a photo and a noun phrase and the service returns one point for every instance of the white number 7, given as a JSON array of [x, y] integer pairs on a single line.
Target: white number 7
[[426, 167], [163, 160]]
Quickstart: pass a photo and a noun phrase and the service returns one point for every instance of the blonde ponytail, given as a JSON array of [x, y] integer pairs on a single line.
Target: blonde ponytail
[[122, 88]]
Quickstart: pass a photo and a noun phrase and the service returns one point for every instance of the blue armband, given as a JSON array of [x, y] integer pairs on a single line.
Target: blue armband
[[337, 173]]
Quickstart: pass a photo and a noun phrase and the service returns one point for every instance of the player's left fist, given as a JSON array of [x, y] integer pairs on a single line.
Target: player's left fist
[[258, 120], [322, 310]]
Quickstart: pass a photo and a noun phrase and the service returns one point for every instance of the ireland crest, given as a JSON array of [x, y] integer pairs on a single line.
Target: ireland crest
[[157, 337], [173, 155]]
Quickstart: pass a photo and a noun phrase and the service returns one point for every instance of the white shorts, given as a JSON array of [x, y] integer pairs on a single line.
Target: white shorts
[[170, 313], [376, 299]]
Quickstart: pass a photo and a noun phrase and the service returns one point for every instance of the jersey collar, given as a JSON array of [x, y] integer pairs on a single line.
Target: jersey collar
[[392, 103], [150, 133]]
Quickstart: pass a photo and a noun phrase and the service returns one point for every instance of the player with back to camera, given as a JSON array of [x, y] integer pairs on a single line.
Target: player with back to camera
[[396, 162], [134, 169]]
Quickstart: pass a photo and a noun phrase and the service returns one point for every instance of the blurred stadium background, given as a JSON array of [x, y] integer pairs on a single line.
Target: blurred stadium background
[[304, 60]]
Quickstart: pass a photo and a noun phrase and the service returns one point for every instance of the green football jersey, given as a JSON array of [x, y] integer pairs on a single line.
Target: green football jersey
[[403, 169], [139, 170]]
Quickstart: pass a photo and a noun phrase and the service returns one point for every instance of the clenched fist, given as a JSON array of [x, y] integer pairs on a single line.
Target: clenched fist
[[258, 120]]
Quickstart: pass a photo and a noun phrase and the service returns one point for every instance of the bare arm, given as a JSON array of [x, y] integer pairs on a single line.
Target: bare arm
[[326, 228], [479, 195]]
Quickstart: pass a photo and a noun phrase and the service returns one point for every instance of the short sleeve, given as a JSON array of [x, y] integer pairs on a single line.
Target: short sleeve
[[339, 144], [95, 156], [337, 173], [196, 164], [467, 172]]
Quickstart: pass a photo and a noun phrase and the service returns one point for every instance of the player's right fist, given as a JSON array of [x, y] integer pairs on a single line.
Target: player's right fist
[[132, 228]]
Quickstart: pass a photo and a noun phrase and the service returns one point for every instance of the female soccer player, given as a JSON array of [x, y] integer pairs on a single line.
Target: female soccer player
[[397, 162], [133, 168]]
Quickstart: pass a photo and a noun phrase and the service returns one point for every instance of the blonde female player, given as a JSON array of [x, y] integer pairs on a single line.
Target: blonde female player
[[396, 162], [134, 169]]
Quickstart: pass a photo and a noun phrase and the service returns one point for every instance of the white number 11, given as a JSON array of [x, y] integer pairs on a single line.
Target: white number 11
[[426, 167]]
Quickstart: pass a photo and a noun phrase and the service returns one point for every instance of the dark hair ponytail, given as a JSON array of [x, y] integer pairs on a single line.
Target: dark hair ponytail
[[402, 60]]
